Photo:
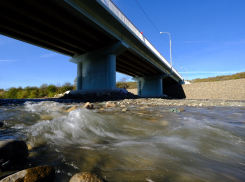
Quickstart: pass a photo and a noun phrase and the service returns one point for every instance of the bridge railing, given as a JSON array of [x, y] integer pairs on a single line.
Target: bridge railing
[[131, 26]]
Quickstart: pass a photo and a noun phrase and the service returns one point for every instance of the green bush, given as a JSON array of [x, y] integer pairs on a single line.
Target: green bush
[[42, 93], [51, 94], [11, 93], [65, 88], [51, 88], [128, 85], [2, 94], [33, 94], [22, 94]]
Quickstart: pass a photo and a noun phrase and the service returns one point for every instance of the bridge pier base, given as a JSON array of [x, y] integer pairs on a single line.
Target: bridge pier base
[[96, 71], [150, 86]]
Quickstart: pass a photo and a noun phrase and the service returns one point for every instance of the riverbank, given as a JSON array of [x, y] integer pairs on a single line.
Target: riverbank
[[139, 101], [218, 90]]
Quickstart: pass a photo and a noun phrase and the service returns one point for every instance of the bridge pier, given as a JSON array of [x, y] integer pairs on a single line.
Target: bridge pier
[[150, 86], [96, 70]]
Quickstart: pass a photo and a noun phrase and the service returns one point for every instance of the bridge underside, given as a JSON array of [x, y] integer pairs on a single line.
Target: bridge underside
[[56, 26]]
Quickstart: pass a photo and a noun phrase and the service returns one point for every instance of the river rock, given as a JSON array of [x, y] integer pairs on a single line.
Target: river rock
[[71, 109], [124, 109], [181, 109], [174, 110], [108, 104], [46, 117], [13, 150], [88, 105], [164, 123], [122, 106], [35, 174], [1, 124], [86, 177]]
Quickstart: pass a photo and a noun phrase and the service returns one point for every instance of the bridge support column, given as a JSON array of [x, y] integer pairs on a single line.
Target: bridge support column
[[96, 71], [150, 86]]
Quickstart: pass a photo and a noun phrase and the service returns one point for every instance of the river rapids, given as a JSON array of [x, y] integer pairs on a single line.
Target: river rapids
[[141, 144]]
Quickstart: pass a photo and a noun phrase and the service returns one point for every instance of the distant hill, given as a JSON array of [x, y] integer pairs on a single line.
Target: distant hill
[[220, 78]]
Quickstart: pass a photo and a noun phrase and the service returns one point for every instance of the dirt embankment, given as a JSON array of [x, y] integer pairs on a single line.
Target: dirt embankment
[[219, 90]]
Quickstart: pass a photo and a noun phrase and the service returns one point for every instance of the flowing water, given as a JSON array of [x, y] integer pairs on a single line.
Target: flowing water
[[151, 144]]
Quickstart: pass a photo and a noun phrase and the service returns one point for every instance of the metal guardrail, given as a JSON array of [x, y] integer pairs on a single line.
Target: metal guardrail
[[130, 25]]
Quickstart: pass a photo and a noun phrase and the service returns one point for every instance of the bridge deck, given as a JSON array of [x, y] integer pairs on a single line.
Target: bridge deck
[[56, 26]]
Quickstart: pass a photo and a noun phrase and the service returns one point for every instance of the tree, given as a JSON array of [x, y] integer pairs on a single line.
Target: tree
[[124, 79], [12, 93], [51, 88], [45, 85]]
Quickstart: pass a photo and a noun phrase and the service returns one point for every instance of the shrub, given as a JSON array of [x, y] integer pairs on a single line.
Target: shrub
[[11, 93], [128, 85], [51, 88], [33, 94], [65, 88], [2, 94], [51, 94], [23, 94], [42, 93]]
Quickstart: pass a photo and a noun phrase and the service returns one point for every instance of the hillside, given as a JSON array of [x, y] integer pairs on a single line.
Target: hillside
[[220, 78]]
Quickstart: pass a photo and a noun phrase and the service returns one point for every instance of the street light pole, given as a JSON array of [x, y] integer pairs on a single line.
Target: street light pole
[[170, 50], [185, 72]]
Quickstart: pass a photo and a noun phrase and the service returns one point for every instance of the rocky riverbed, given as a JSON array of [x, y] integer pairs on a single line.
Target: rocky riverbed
[[138, 101], [121, 139]]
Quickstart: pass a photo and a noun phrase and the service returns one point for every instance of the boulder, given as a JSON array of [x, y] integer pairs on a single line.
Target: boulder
[[71, 109], [35, 174], [108, 104], [13, 150], [1, 124], [46, 117], [88, 105], [124, 109], [86, 177]]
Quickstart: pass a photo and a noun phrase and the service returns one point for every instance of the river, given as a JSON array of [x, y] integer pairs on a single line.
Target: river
[[141, 144]]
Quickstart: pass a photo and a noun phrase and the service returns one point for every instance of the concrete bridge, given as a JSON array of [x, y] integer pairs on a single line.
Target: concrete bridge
[[98, 37]]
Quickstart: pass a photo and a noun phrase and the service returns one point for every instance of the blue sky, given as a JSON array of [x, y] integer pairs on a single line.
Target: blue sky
[[208, 39]]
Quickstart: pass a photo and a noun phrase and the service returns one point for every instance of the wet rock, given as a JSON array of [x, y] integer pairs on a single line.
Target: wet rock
[[174, 110], [152, 119], [142, 108], [33, 155], [46, 117], [124, 109], [29, 146], [122, 106], [88, 105], [164, 123], [35, 174], [86, 177], [181, 109], [108, 104], [102, 108], [1, 124], [72, 108], [13, 149]]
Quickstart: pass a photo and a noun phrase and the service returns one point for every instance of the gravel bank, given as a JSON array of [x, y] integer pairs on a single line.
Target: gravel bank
[[219, 90], [184, 102], [140, 101]]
